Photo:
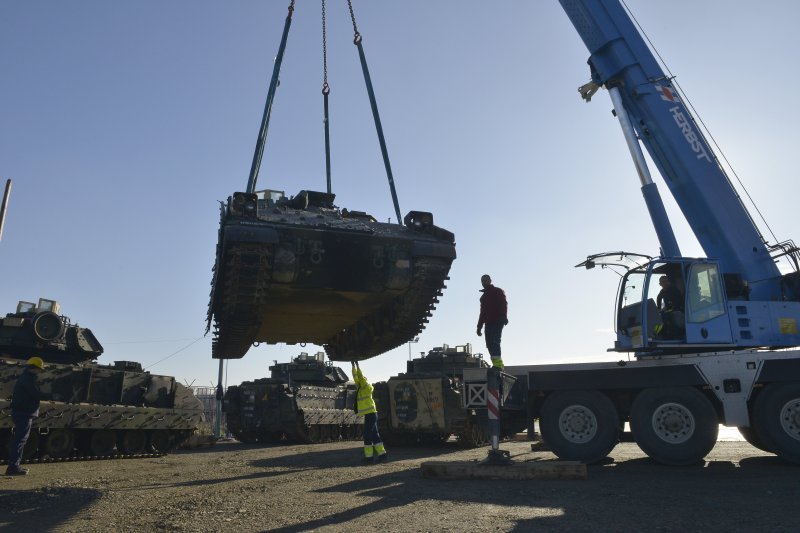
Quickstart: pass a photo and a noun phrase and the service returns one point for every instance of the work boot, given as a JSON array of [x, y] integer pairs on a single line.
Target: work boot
[[367, 460], [16, 471], [383, 457]]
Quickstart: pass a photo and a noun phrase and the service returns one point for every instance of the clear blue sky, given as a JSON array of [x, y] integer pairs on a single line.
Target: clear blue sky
[[123, 124]]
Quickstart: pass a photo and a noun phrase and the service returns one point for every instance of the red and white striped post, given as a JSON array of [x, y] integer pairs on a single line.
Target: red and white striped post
[[493, 406], [496, 456]]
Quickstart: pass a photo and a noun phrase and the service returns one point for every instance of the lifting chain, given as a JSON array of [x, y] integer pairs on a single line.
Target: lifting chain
[[325, 88], [356, 35]]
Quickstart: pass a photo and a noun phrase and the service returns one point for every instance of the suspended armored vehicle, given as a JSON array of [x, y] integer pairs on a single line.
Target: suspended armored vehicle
[[427, 405], [302, 270], [306, 400], [88, 409]]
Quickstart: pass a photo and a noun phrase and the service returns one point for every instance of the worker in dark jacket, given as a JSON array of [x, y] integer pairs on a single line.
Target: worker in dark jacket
[[365, 406], [24, 408], [494, 315], [670, 305]]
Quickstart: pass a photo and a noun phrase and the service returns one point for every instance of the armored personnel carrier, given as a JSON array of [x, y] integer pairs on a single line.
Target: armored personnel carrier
[[306, 400], [88, 409], [302, 270], [426, 404]]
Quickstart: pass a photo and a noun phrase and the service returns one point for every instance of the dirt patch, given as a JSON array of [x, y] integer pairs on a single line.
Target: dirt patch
[[324, 487]]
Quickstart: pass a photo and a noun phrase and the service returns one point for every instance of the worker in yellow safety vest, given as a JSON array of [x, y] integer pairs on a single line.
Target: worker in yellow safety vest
[[365, 406]]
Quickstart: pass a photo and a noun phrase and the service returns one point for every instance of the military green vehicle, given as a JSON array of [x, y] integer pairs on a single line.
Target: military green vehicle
[[426, 404], [88, 409], [302, 270], [306, 400]]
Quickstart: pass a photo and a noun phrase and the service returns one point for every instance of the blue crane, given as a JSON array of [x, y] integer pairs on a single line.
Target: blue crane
[[736, 297], [705, 343]]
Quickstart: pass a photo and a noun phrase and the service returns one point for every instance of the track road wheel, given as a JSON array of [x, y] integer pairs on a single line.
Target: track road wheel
[[478, 435], [776, 418], [131, 441], [579, 425], [674, 425], [5, 443], [159, 441], [314, 434], [354, 432], [59, 443], [31, 446], [270, 437], [245, 437], [102, 442], [750, 435]]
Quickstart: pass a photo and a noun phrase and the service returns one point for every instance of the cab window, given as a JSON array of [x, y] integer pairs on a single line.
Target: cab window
[[705, 297]]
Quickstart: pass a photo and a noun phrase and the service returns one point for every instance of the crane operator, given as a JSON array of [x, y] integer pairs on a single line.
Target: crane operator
[[670, 305]]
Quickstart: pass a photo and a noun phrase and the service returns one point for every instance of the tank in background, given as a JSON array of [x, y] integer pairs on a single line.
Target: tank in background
[[88, 409], [307, 400]]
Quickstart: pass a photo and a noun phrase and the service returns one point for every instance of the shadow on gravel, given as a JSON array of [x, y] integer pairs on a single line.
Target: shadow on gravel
[[296, 449], [327, 459], [226, 447], [42, 509], [296, 461], [635, 495]]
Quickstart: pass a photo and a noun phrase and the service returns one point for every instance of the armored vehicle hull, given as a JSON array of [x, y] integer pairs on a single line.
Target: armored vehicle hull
[[301, 270], [304, 401], [426, 404], [98, 410], [88, 409]]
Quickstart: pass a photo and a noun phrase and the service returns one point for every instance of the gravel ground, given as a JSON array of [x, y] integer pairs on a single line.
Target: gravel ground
[[323, 487]]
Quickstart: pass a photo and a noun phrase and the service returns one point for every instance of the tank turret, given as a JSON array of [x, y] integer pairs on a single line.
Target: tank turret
[[302, 270], [40, 329], [310, 369], [447, 360]]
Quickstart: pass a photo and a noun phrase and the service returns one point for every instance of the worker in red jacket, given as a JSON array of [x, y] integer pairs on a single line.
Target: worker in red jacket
[[494, 315]]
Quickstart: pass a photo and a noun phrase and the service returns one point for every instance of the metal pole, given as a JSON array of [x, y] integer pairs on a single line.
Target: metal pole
[[655, 206], [218, 421], [3, 207]]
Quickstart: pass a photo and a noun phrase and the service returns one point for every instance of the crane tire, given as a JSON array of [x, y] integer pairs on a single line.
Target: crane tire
[[750, 435], [674, 425], [580, 425], [776, 419]]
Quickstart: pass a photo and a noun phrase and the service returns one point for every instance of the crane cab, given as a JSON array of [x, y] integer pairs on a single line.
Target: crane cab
[[672, 305]]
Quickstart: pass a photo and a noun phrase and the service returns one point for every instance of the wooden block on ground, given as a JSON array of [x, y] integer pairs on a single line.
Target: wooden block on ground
[[523, 470]]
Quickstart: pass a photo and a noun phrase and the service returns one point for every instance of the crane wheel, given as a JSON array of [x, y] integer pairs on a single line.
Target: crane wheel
[[750, 435], [579, 425], [674, 425], [776, 418]]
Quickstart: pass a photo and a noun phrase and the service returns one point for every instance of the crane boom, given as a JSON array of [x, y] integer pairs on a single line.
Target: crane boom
[[621, 59]]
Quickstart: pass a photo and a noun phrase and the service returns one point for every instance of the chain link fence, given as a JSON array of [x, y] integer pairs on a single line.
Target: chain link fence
[[208, 395]]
